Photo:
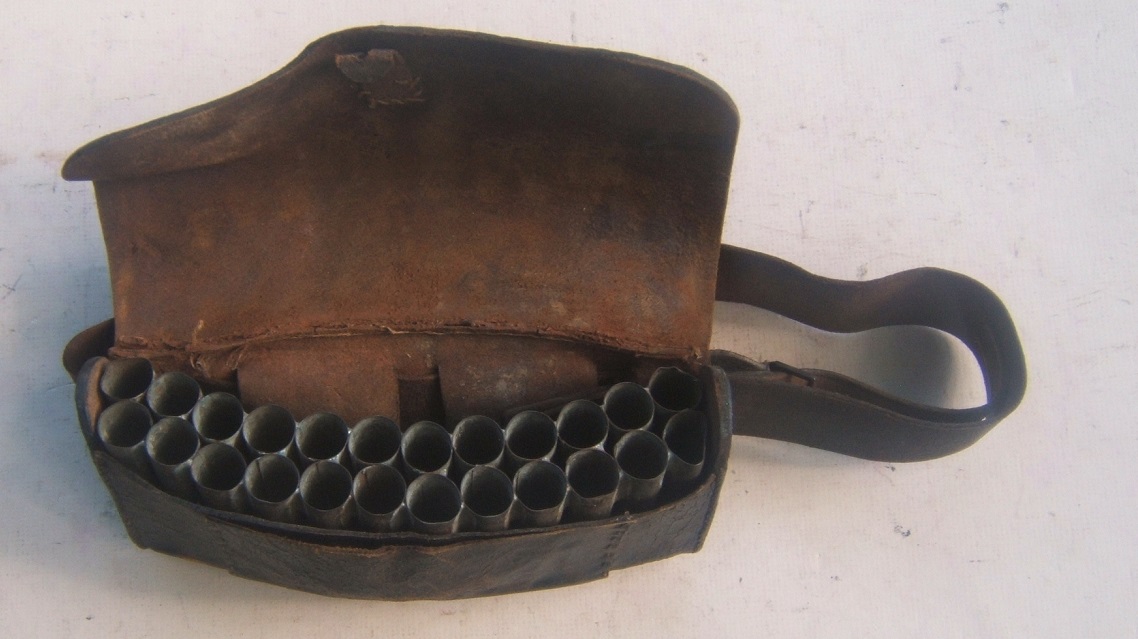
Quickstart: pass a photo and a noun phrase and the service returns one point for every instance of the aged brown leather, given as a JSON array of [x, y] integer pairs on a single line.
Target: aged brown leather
[[527, 191], [427, 224]]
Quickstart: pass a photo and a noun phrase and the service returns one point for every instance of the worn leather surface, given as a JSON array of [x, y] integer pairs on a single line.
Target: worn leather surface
[[529, 190], [411, 377]]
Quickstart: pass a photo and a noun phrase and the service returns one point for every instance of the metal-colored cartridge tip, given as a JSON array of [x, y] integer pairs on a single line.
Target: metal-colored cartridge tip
[[686, 437], [487, 495], [171, 445], [126, 378], [326, 491], [217, 471], [218, 418], [478, 441], [320, 437], [269, 429], [628, 407], [673, 390], [379, 491], [530, 436], [594, 478], [173, 394], [540, 489], [426, 448], [122, 427], [581, 425], [375, 440], [272, 485], [433, 504], [643, 460]]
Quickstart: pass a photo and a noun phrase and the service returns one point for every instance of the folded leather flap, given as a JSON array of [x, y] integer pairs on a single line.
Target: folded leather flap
[[407, 180]]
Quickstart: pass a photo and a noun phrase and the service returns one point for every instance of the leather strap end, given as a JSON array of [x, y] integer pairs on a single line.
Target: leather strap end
[[833, 412]]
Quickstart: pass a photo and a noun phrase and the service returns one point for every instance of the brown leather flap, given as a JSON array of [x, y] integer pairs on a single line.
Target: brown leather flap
[[406, 180]]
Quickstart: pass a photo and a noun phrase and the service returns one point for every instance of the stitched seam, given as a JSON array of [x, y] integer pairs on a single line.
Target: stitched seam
[[139, 343], [613, 544], [709, 509]]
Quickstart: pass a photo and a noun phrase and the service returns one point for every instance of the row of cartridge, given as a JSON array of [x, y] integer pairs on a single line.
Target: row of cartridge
[[579, 461]]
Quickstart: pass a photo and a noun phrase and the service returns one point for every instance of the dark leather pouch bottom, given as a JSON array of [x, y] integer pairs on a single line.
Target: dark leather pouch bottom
[[401, 565]]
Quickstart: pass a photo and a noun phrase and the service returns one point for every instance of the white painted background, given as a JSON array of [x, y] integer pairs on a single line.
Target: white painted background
[[995, 139]]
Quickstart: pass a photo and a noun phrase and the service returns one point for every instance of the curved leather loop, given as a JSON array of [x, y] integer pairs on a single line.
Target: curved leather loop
[[830, 411]]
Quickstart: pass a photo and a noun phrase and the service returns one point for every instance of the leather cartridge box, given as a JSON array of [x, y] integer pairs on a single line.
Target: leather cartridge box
[[432, 224]]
